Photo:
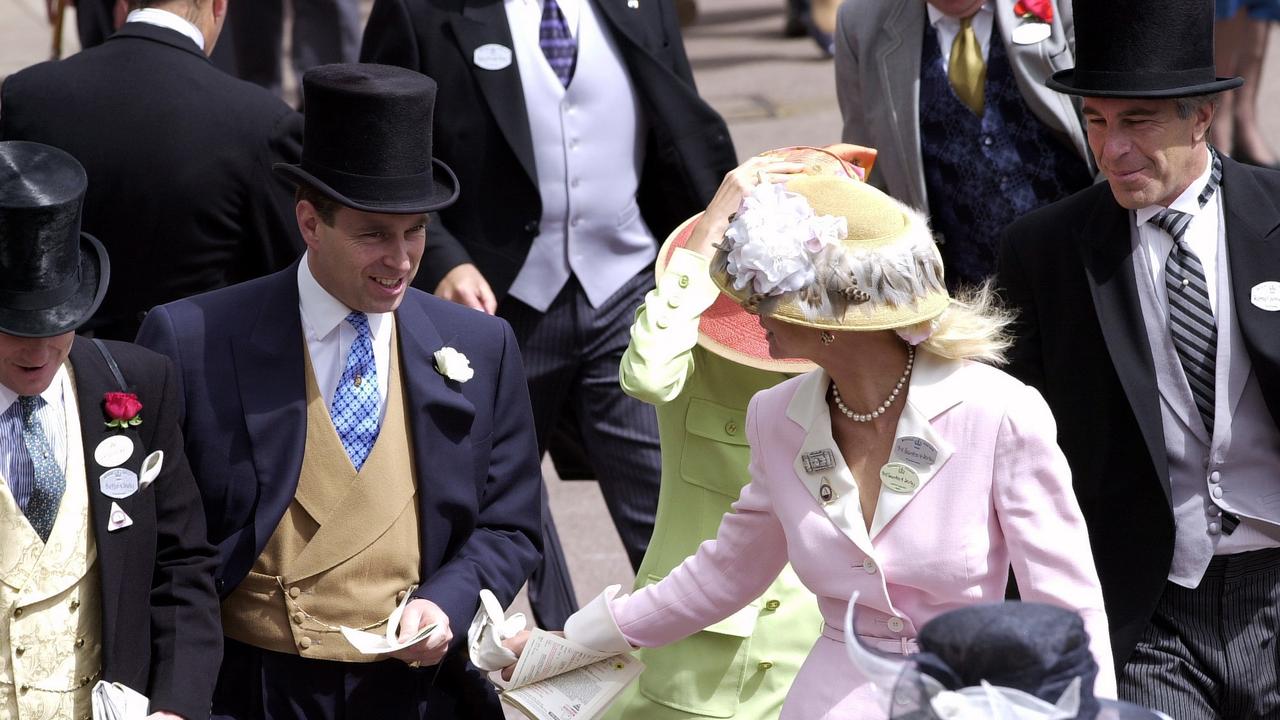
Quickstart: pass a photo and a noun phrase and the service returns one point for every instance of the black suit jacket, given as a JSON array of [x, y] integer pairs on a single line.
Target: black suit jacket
[[1067, 270], [161, 633], [482, 125], [239, 353], [179, 158]]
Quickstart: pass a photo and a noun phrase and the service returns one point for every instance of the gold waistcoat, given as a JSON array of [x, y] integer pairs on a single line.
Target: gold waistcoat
[[345, 550], [50, 599]]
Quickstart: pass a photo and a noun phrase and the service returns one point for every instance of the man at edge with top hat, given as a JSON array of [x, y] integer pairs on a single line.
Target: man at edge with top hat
[[360, 445], [1149, 312], [105, 574]]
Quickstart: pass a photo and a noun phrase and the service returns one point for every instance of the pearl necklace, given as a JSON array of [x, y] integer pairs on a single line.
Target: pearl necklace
[[897, 389]]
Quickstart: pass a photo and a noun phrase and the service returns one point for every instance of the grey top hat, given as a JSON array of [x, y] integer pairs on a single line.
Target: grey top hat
[[52, 276]]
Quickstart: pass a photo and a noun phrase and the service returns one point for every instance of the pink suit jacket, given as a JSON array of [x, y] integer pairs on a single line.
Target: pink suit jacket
[[997, 492]]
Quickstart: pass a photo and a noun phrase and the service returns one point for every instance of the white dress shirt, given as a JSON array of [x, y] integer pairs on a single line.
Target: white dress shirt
[[53, 420], [525, 19], [948, 28], [166, 19], [329, 336], [1201, 236]]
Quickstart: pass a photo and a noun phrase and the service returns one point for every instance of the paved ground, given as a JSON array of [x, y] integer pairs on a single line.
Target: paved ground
[[774, 92]]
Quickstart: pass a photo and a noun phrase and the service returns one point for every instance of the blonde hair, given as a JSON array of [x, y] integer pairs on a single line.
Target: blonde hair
[[975, 326]]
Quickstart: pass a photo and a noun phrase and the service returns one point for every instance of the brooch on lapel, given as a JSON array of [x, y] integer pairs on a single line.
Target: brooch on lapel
[[1036, 19], [453, 364]]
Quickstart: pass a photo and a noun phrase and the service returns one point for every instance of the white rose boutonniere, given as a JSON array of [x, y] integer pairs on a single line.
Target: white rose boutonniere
[[453, 364]]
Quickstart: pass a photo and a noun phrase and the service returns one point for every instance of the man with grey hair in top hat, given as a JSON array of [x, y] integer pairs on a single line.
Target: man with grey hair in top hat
[[105, 572], [1149, 318], [361, 446]]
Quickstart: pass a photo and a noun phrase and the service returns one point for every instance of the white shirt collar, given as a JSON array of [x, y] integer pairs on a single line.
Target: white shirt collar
[[52, 395], [322, 313], [936, 16], [571, 9], [1188, 202], [166, 19]]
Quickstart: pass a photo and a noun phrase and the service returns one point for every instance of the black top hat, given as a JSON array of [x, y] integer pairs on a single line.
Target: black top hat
[[1143, 49], [52, 276], [367, 140]]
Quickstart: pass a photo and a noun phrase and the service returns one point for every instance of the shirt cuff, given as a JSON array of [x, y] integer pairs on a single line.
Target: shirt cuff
[[595, 627]]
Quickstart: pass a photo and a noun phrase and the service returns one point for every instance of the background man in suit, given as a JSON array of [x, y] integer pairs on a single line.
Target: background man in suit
[[1148, 319], [579, 126], [178, 153], [323, 31], [951, 92], [340, 467], [105, 572]]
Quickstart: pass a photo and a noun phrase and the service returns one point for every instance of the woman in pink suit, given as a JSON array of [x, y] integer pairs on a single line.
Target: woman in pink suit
[[904, 468]]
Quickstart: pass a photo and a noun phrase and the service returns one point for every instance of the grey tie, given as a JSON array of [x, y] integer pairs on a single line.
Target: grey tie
[[46, 491], [1191, 323]]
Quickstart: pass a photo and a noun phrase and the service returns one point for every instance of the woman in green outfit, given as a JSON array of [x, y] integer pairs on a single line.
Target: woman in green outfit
[[698, 357]]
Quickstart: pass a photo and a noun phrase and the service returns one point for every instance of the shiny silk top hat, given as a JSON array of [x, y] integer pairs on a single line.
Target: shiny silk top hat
[[367, 140], [1142, 49], [52, 276]]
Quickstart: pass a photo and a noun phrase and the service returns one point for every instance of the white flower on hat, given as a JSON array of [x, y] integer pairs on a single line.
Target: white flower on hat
[[774, 239], [453, 364]]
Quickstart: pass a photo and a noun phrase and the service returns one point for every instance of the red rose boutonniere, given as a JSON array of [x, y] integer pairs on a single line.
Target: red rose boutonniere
[[121, 409], [1038, 10]]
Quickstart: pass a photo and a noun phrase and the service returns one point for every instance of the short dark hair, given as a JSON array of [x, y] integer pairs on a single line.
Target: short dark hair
[[192, 13], [326, 207]]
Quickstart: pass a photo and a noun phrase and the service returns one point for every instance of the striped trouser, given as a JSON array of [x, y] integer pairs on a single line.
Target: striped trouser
[[1211, 653]]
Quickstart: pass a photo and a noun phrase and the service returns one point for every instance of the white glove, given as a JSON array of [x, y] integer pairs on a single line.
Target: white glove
[[488, 630]]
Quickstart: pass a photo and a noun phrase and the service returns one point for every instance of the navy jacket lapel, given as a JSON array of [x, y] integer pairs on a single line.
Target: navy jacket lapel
[[484, 23], [440, 419], [269, 373], [1107, 248]]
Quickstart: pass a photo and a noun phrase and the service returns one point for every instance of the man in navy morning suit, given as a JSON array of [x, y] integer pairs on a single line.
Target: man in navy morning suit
[[358, 443]]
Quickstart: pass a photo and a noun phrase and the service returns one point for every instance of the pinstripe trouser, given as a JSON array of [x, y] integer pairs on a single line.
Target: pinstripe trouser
[[571, 356], [1211, 653]]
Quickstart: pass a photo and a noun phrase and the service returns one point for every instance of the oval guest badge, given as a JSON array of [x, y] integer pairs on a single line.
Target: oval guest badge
[[1030, 33], [1266, 296], [899, 477], [118, 483], [113, 451], [492, 56], [916, 451]]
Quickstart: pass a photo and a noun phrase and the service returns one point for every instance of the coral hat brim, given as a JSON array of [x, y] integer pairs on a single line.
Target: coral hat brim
[[725, 329]]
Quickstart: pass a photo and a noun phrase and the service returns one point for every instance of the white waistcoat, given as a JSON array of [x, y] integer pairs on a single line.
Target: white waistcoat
[[588, 145], [1234, 470], [50, 601]]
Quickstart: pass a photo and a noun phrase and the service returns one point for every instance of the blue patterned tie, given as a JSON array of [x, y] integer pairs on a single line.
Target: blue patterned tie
[[355, 403], [46, 491], [557, 43]]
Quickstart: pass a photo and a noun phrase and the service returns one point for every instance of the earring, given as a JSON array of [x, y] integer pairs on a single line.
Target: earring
[[826, 337]]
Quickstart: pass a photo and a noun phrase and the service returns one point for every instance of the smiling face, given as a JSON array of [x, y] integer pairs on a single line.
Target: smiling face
[[365, 260], [27, 365], [1148, 153]]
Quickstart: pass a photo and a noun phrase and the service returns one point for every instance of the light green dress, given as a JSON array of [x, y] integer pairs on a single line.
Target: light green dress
[[742, 666]]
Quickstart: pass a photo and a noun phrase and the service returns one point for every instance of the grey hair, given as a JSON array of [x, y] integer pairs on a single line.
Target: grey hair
[[1187, 106]]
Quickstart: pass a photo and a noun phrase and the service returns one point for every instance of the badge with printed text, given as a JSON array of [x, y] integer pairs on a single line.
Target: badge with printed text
[[917, 451], [492, 57], [899, 477], [113, 451], [118, 483], [1266, 296], [818, 461]]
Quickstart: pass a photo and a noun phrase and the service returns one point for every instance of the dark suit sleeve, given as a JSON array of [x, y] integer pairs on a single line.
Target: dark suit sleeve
[[273, 239], [506, 543], [186, 633], [1025, 361]]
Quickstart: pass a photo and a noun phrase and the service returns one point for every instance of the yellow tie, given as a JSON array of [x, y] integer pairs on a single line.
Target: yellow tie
[[966, 68]]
